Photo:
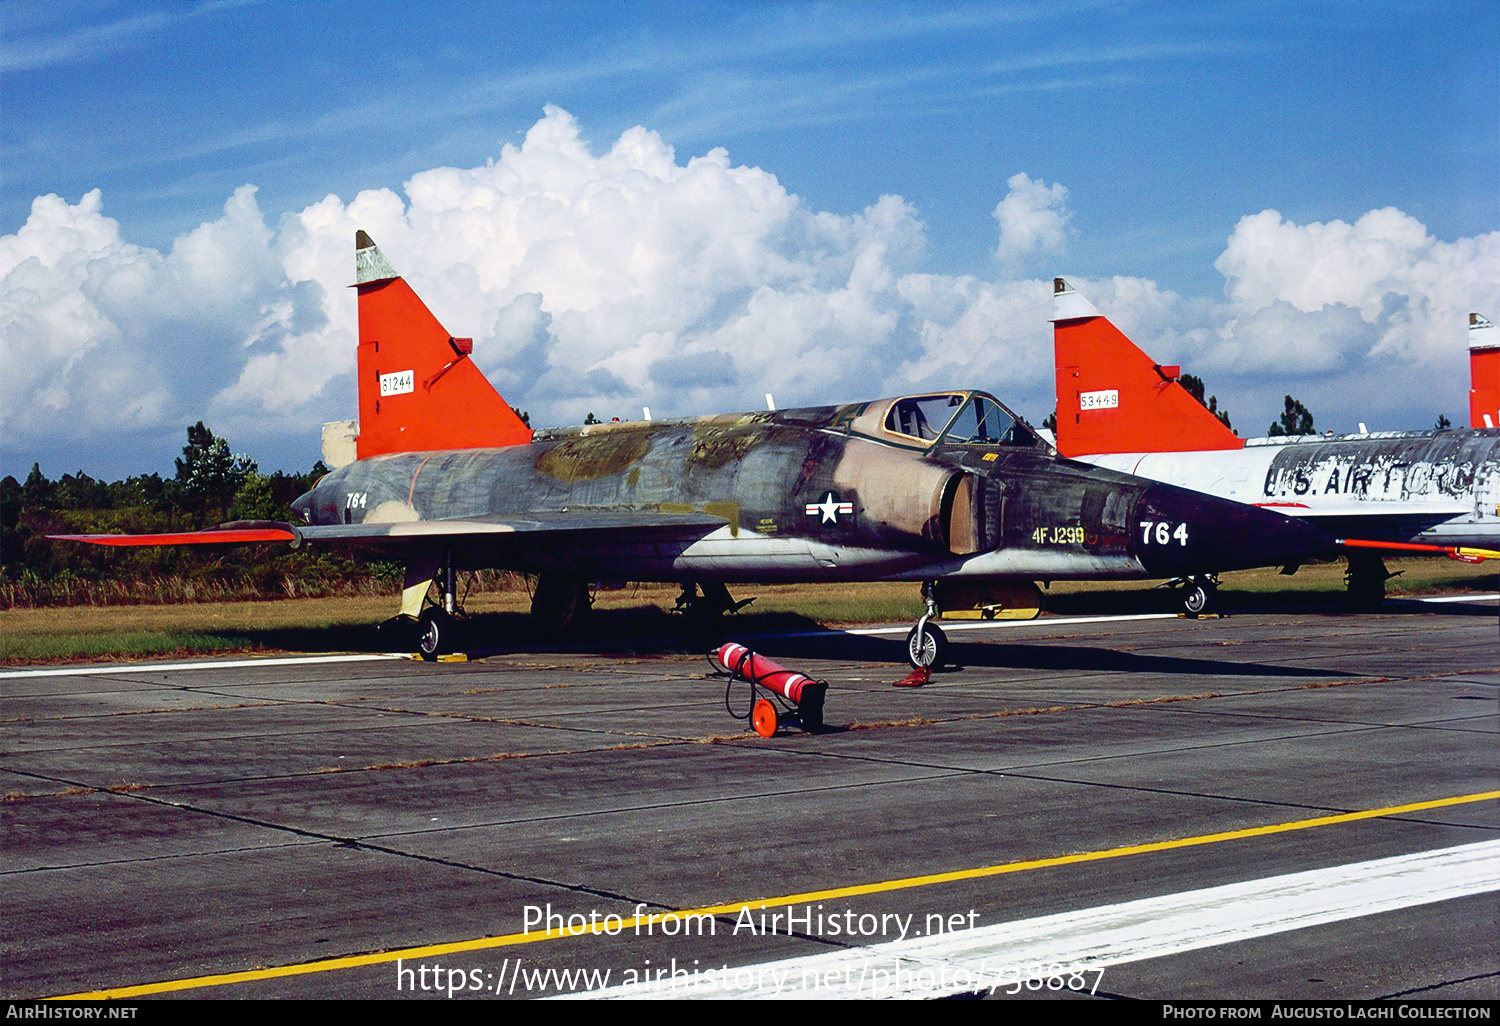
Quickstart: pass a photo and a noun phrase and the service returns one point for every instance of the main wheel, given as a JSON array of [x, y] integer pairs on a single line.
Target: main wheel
[[930, 649], [1199, 597], [434, 633]]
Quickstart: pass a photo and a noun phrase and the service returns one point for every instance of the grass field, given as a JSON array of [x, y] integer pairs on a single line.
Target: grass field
[[635, 612]]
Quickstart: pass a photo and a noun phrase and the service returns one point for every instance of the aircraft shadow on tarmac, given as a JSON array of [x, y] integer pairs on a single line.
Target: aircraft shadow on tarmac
[[1021, 656], [1289, 600], [649, 630]]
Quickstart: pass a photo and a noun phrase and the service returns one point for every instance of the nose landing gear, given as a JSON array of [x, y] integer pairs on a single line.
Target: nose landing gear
[[926, 644]]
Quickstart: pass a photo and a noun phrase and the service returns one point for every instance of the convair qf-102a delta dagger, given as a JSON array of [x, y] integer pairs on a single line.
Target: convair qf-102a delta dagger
[[1389, 492], [949, 489]]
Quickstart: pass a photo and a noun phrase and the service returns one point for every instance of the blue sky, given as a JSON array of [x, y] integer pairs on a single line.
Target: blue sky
[[1163, 125]]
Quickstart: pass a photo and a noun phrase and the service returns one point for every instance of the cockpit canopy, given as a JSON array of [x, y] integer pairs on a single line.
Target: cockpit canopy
[[954, 418], [921, 416]]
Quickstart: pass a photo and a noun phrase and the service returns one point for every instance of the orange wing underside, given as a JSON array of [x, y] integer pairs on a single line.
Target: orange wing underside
[[233, 537]]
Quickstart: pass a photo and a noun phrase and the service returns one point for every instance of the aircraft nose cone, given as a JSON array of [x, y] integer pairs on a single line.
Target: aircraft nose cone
[[1179, 533]]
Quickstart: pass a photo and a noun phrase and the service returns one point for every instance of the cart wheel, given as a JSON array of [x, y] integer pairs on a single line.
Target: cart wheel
[[763, 718]]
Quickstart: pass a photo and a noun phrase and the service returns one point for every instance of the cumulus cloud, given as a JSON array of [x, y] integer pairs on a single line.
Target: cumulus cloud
[[1033, 220], [607, 281], [1366, 321], [97, 334], [1381, 289]]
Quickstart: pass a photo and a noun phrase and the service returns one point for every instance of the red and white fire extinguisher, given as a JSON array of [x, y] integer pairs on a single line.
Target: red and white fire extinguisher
[[801, 696]]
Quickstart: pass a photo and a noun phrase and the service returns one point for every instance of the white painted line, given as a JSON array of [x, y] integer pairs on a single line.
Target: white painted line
[[1089, 940], [1458, 598], [206, 664]]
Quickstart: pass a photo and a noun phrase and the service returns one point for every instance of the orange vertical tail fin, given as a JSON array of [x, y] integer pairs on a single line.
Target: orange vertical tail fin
[[418, 388], [1111, 397], [1484, 373]]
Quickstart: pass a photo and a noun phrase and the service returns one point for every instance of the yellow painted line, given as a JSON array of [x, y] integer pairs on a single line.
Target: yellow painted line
[[905, 883]]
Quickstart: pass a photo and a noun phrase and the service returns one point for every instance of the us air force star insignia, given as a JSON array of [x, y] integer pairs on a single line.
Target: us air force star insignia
[[829, 509]]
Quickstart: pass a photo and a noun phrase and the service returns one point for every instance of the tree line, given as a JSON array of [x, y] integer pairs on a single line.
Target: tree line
[[212, 484]]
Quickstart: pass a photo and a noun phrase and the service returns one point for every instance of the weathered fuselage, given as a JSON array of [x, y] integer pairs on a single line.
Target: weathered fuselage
[[1439, 487], [821, 494]]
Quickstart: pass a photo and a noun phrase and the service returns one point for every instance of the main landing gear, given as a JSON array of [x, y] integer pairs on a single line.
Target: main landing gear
[[557, 605], [1200, 595], [560, 603], [705, 612], [1365, 579], [926, 644], [437, 627], [435, 631]]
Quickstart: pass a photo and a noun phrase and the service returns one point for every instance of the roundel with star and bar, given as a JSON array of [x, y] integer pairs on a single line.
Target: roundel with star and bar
[[831, 511]]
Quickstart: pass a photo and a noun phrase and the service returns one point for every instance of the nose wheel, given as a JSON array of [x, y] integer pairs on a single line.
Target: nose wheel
[[927, 647], [926, 644]]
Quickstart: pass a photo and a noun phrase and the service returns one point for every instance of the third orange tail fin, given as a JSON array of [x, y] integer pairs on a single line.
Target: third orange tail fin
[[1484, 373], [418, 389], [1111, 397]]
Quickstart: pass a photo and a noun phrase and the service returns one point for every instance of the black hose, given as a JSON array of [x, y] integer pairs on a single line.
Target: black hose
[[736, 671]]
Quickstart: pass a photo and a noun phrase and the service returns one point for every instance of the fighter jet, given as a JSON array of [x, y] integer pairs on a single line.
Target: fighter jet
[[1423, 492], [947, 488]]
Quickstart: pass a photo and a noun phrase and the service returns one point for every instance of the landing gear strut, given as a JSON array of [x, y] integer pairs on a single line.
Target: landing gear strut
[[926, 644], [559, 603], [1365, 579], [436, 626], [704, 612]]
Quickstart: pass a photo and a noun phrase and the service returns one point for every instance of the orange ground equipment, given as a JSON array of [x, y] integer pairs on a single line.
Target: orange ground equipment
[[795, 699], [918, 678]]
